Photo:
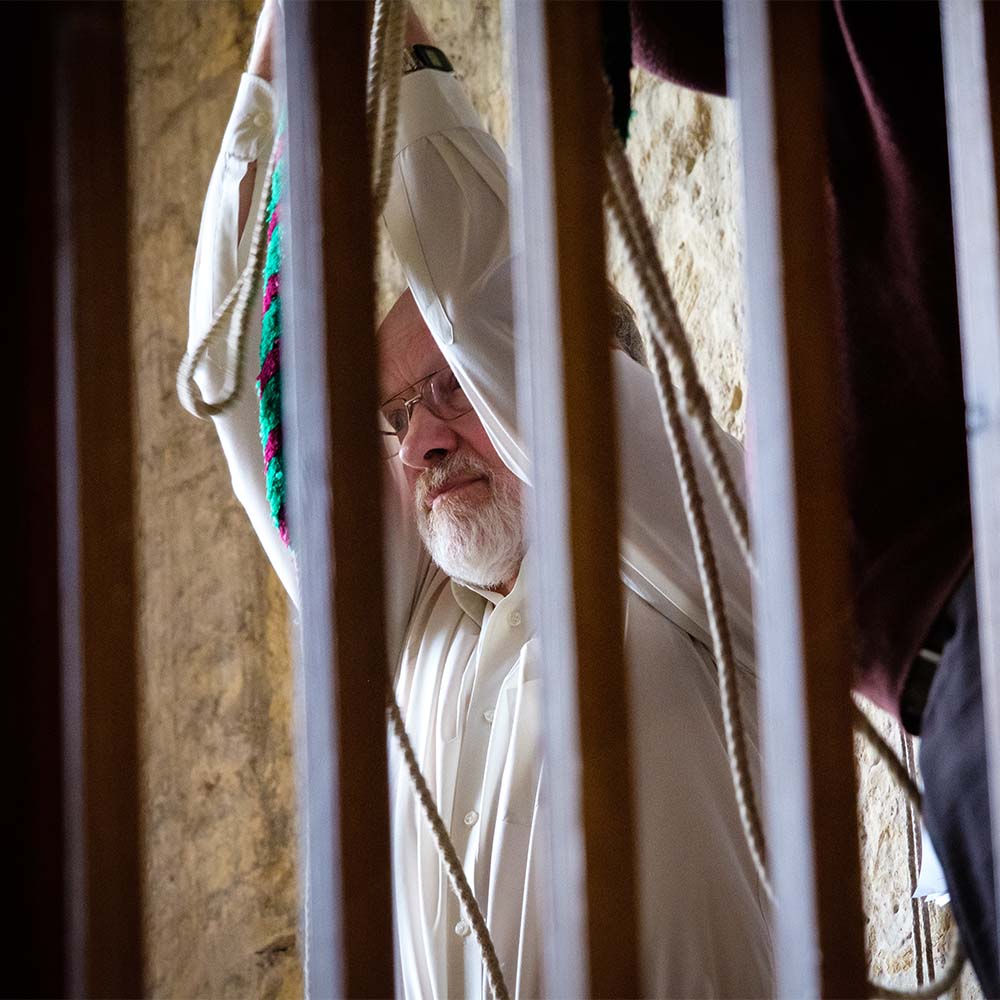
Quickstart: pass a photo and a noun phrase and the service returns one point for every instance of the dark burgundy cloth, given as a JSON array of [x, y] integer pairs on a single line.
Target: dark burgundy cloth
[[902, 407], [680, 40]]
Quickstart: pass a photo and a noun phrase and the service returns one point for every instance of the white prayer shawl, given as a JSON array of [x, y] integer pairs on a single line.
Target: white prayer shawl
[[467, 676]]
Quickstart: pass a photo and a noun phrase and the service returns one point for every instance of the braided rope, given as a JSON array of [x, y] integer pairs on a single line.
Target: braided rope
[[449, 857], [668, 341], [237, 300], [705, 556], [376, 62], [648, 269], [384, 78], [388, 29]]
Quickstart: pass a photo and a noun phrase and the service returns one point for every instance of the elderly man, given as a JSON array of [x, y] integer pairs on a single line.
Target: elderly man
[[460, 638]]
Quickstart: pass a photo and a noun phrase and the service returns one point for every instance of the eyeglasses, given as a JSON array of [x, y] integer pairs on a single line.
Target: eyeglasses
[[439, 392]]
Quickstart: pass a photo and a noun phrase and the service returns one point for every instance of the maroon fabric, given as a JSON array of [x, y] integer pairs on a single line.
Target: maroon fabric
[[680, 40], [902, 407]]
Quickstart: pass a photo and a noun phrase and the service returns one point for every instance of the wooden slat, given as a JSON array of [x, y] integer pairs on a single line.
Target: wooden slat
[[72, 813], [335, 491], [31, 723], [564, 369], [97, 528], [797, 503], [971, 43]]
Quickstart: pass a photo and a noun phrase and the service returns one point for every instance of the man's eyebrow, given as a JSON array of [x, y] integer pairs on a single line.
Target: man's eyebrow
[[402, 392], [408, 388]]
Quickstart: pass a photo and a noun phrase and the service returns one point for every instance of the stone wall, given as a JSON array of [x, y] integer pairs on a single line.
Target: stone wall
[[219, 800], [218, 779]]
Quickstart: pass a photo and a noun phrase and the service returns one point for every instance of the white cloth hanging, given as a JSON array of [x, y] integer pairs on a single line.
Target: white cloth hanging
[[467, 676]]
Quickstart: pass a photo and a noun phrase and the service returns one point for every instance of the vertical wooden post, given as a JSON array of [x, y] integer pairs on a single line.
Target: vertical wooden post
[[971, 41], [31, 724], [335, 493], [797, 503], [94, 446], [72, 827], [564, 370]]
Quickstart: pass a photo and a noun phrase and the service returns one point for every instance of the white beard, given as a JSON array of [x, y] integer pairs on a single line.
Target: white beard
[[480, 542]]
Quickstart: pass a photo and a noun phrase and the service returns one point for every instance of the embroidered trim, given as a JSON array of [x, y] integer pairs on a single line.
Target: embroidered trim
[[269, 379]]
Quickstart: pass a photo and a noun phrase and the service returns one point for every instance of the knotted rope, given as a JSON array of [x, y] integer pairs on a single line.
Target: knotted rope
[[670, 342], [236, 302], [449, 857], [669, 352]]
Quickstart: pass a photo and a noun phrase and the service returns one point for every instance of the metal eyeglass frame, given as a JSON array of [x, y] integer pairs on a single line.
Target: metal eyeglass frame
[[410, 402]]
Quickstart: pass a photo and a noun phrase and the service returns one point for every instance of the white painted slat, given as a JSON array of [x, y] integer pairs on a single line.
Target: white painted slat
[[969, 38], [797, 506], [564, 370]]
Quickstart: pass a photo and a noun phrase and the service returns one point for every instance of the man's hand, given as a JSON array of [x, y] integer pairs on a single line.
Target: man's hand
[[261, 55], [261, 63], [416, 33]]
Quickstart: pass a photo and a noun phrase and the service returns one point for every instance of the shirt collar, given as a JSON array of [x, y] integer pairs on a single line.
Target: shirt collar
[[473, 600]]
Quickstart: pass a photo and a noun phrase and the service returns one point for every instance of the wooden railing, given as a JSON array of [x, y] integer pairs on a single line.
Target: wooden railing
[[797, 504], [564, 370], [336, 493], [75, 733], [970, 39], [75, 556]]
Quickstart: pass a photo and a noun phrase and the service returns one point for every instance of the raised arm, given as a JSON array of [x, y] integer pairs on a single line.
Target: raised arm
[[447, 216], [220, 258], [261, 64], [233, 198], [448, 219]]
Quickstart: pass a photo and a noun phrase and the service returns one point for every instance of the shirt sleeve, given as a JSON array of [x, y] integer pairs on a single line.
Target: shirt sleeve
[[219, 259], [447, 216]]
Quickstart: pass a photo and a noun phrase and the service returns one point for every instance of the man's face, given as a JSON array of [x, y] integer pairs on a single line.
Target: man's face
[[466, 501]]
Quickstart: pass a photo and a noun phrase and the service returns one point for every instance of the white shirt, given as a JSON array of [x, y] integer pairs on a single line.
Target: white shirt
[[467, 674]]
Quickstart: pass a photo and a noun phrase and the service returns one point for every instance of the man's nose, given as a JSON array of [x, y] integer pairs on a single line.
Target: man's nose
[[428, 441]]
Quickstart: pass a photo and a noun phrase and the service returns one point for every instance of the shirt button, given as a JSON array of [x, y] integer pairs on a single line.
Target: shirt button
[[462, 929], [470, 817], [514, 619], [489, 715]]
